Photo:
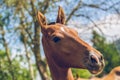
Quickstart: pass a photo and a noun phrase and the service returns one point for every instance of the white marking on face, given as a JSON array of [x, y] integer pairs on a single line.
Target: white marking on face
[[62, 29]]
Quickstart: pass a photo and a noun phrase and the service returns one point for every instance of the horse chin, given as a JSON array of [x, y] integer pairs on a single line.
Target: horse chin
[[94, 72], [95, 69]]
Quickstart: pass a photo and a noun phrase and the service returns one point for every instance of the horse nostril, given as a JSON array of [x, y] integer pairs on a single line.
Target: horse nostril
[[101, 58], [93, 59]]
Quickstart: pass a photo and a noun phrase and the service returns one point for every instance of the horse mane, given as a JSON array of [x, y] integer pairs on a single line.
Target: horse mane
[[51, 23]]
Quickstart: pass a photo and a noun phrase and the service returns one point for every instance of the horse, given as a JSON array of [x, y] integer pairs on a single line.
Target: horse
[[65, 50], [95, 78], [113, 75]]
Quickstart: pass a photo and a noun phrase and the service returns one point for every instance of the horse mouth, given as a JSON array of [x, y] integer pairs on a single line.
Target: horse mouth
[[96, 72], [95, 69]]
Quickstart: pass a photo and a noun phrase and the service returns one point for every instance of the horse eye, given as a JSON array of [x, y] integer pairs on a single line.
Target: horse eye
[[117, 73], [56, 39]]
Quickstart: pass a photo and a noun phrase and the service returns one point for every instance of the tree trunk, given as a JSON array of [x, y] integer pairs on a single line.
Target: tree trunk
[[8, 55], [41, 68], [29, 62]]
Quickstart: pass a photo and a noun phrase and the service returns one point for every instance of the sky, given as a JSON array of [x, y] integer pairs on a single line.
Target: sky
[[110, 26]]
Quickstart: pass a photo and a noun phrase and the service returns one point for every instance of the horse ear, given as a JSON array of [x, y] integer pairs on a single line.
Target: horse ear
[[42, 21], [61, 16]]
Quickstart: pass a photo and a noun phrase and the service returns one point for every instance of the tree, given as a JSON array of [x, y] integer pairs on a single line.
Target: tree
[[20, 73], [10, 67]]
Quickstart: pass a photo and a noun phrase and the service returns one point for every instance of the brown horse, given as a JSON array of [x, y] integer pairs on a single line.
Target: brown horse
[[95, 78], [64, 49], [113, 75]]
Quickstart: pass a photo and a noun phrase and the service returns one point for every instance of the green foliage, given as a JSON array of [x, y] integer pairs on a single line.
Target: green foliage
[[109, 51], [1, 22], [20, 73], [2, 54], [83, 73]]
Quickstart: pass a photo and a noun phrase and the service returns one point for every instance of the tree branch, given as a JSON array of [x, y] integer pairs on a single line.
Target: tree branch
[[73, 11], [46, 5], [36, 42], [98, 6], [8, 54], [95, 25]]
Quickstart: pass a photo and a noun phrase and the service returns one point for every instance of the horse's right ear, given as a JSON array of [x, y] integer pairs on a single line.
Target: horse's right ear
[[61, 16], [42, 21]]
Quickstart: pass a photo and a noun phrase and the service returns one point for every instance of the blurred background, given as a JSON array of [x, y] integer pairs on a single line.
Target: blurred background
[[21, 53]]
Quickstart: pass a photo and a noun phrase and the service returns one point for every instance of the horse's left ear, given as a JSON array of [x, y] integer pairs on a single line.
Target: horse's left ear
[[61, 16], [42, 21]]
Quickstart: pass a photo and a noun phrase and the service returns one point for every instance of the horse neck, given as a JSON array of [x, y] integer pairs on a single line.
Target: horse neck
[[109, 77], [57, 72]]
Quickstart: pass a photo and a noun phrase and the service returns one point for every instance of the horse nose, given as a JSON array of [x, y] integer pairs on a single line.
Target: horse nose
[[94, 59]]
